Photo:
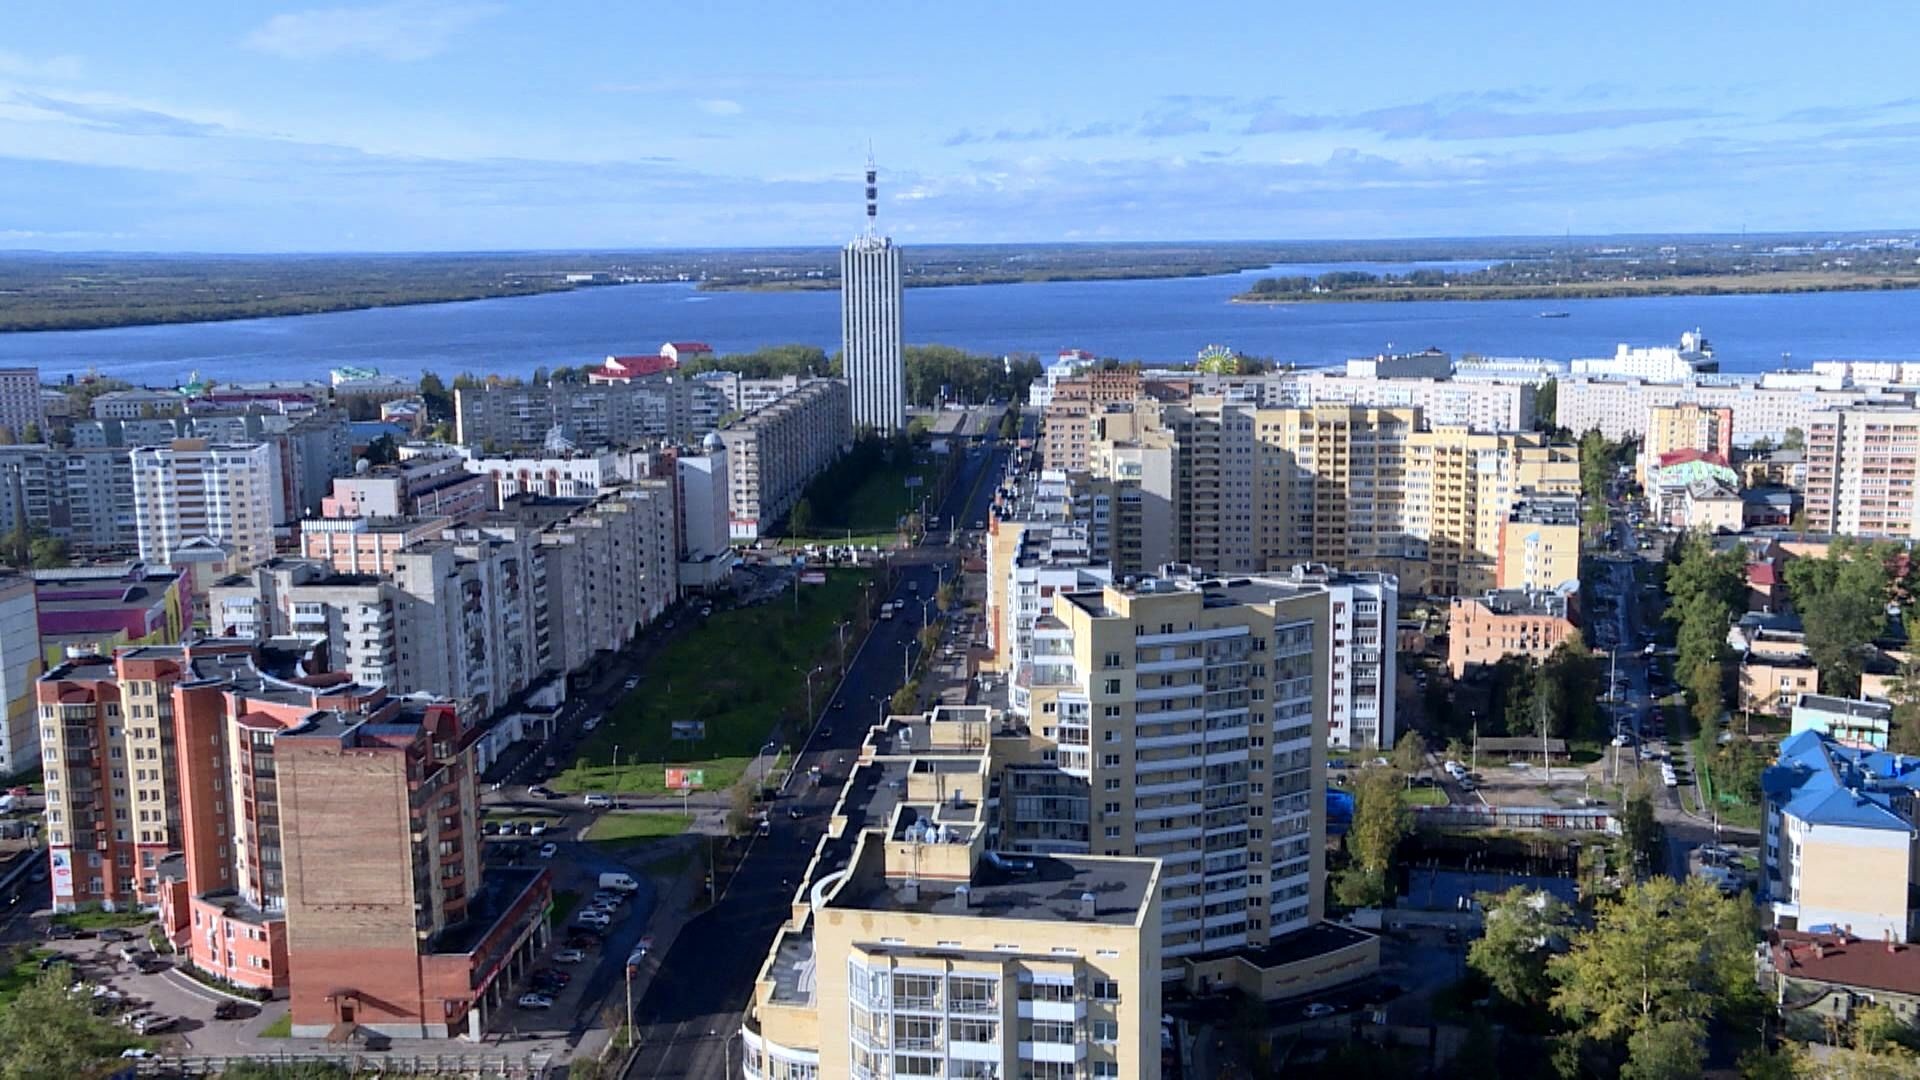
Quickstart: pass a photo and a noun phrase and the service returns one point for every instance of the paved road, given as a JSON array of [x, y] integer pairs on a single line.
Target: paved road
[[691, 1011]]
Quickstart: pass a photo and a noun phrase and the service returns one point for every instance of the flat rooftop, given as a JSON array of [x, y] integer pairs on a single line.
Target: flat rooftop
[[1038, 888], [501, 890]]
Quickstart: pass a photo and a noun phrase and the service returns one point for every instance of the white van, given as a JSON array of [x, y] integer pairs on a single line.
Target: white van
[[622, 882]]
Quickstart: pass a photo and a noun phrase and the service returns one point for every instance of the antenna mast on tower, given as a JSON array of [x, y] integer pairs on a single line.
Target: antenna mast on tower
[[873, 192]]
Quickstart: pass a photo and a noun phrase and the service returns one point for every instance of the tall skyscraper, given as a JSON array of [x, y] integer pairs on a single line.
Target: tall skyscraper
[[871, 301]]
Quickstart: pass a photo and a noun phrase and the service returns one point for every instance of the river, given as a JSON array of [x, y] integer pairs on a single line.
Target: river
[[1158, 320]]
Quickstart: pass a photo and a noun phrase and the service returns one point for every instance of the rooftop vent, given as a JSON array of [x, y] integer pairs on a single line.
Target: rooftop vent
[[1087, 905]]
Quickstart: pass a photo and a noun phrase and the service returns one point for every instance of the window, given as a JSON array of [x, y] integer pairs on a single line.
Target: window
[[1053, 1031], [1113, 832], [1106, 990], [1113, 783], [916, 1032], [1110, 761], [974, 994], [1050, 991], [1106, 1031], [1112, 686], [975, 1031], [1112, 660], [916, 992], [1104, 1069]]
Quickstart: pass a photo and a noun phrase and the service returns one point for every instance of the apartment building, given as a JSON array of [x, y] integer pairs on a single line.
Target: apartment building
[[1361, 489], [571, 475], [424, 486], [1035, 550], [1479, 406], [656, 408], [774, 453], [191, 489], [138, 403], [453, 618], [915, 948], [1510, 622], [1618, 409], [1540, 544], [1862, 465], [706, 533], [366, 545], [20, 666], [81, 496], [1859, 724], [1685, 426], [1838, 834], [1657, 364], [1191, 718], [21, 410]]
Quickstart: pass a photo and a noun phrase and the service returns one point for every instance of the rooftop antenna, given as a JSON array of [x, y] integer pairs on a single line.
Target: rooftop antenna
[[873, 191]]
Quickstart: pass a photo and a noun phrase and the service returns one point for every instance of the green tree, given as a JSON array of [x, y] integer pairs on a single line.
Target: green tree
[[1794, 439], [48, 552], [1662, 951], [1842, 602], [946, 595], [1546, 405], [1904, 692], [1410, 754], [1706, 683], [1668, 1050], [382, 451], [1010, 425], [906, 700], [1522, 929], [32, 434], [1640, 828], [1380, 820], [800, 519], [47, 1032]]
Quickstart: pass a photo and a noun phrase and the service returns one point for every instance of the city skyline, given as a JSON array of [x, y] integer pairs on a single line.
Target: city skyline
[[423, 125]]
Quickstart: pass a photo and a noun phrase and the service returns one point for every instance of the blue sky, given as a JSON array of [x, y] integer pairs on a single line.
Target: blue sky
[[429, 125]]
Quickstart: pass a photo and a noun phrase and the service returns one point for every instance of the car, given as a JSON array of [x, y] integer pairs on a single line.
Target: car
[[535, 1001], [1317, 1010], [551, 975], [1623, 739], [549, 849], [638, 954], [796, 812], [541, 791], [58, 932], [522, 828], [583, 937], [138, 1053], [1467, 784], [591, 723], [825, 732], [598, 802], [234, 1010], [490, 828], [633, 681], [840, 703], [114, 933], [614, 895], [539, 828], [569, 956], [152, 1024], [590, 917]]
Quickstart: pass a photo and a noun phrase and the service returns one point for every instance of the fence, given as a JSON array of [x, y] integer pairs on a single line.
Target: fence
[[476, 1066]]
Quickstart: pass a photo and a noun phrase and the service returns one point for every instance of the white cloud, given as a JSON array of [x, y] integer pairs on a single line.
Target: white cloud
[[407, 30], [721, 107], [55, 68]]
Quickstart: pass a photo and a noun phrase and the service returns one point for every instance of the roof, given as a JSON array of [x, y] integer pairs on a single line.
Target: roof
[[1045, 888], [628, 367], [1844, 960], [690, 346], [1822, 782], [1682, 456], [1762, 573]]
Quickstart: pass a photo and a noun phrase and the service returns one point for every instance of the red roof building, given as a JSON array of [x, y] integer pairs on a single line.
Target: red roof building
[[619, 369]]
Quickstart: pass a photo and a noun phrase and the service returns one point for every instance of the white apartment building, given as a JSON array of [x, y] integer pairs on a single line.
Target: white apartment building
[[700, 480], [872, 337], [558, 476], [1363, 616], [773, 453], [1618, 409], [1477, 405], [190, 490], [1659, 363]]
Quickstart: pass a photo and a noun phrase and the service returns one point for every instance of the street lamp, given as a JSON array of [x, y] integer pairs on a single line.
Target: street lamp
[[906, 662], [810, 713]]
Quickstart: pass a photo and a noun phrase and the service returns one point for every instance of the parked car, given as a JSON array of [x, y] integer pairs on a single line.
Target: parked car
[[1317, 1010], [539, 828], [599, 919], [234, 1010], [583, 937], [598, 802], [632, 681], [115, 933], [549, 850], [151, 1025], [569, 956], [138, 1053], [541, 791], [535, 1001]]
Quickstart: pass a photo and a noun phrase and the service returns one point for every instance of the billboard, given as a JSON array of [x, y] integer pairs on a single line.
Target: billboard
[[689, 730], [686, 779], [61, 861], [813, 577]]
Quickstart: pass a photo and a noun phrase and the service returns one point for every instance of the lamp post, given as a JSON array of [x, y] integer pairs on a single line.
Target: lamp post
[[810, 713], [906, 662]]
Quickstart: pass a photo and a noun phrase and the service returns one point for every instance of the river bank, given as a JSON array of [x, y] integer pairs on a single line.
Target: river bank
[[1723, 285]]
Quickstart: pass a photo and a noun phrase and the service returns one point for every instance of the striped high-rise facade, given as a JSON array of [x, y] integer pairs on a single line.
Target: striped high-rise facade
[[872, 300]]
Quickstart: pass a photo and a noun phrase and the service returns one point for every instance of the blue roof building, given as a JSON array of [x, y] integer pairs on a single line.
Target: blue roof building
[[1840, 839]]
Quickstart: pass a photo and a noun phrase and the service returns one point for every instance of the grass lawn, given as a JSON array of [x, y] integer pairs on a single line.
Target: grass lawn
[[102, 920], [1423, 796], [876, 505], [16, 976], [740, 672], [281, 1028], [564, 902], [614, 830]]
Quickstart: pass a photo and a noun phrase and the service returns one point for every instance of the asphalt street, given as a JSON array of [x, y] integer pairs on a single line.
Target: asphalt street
[[689, 1018]]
